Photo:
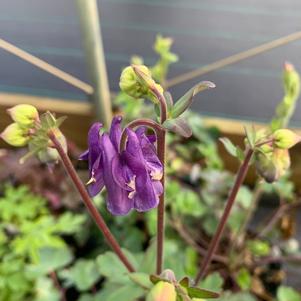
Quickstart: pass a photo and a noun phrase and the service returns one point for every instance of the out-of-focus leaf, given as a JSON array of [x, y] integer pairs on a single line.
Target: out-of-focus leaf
[[141, 279], [212, 282], [285, 293], [110, 266], [244, 279], [115, 292], [51, 259], [45, 290], [178, 126], [259, 247], [229, 146], [195, 292], [83, 275]]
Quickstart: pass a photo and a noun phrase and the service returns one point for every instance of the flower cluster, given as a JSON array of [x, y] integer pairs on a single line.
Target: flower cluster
[[19, 132], [31, 130], [131, 176]]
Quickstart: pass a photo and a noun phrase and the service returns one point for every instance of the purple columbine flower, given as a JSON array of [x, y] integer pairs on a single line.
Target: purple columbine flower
[[132, 177]]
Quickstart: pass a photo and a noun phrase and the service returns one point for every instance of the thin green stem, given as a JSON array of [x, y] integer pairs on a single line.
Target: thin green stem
[[89, 203], [242, 172]]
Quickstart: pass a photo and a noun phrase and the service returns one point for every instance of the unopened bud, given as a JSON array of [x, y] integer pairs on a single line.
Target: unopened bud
[[282, 161], [24, 114], [162, 291], [285, 138], [15, 135], [137, 82], [272, 166], [265, 167]]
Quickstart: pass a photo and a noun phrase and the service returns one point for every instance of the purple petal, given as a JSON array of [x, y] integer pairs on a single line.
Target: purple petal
[[152, 161], [97, 175], [158, 188], [118, 202], [121, 173], [84, 156], [144, 196], [93, 142], [115, 131]]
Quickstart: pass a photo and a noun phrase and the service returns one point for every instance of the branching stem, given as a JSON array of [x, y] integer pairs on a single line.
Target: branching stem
[[89, 203], [243, 169]]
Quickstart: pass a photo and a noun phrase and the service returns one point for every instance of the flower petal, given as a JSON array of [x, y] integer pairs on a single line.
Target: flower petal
[[115, 131], [97, 180], [118, 202], [144, 196], [152, 161]]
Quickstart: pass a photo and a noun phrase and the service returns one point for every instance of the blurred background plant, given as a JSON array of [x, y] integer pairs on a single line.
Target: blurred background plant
[[48, 254]]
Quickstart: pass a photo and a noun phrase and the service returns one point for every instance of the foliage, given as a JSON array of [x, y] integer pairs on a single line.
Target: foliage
[[31, 245]]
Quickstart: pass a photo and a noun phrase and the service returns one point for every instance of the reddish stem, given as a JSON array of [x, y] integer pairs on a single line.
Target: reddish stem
[[242, 172], [89, 204], [161, 206], [57, 285]]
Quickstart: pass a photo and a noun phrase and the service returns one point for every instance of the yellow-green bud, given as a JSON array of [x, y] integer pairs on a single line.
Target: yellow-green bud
[[285, 139], [24, 114], [282, 161], [137, 82], [15, 135], [272, 165], [162, 291], [265, 167]]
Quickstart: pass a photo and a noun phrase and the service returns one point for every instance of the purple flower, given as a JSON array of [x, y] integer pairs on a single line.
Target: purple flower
[[132, 177]]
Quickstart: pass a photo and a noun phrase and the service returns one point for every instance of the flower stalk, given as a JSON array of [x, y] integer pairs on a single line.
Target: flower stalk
[[242, 172], [88, 202]]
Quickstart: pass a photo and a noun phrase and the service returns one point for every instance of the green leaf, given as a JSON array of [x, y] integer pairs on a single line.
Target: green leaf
[[142, 279], [178, 126], [51, 259], [186, 100], [212, 282], [241, 296], [285, 293], [115, 292], [147, 262], [240, 153], [83, 275], [195, 292], [259, 247], [230, 147], [169, 100], [244, 279], [110, 266], [45, 290], [251, 136], [184, 282]]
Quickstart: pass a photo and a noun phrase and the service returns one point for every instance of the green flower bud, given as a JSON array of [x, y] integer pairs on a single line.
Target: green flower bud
[[282, 161], [285, 139], [273, 165], [162, 291], [137, 82], [15, 135], [24, 114]]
